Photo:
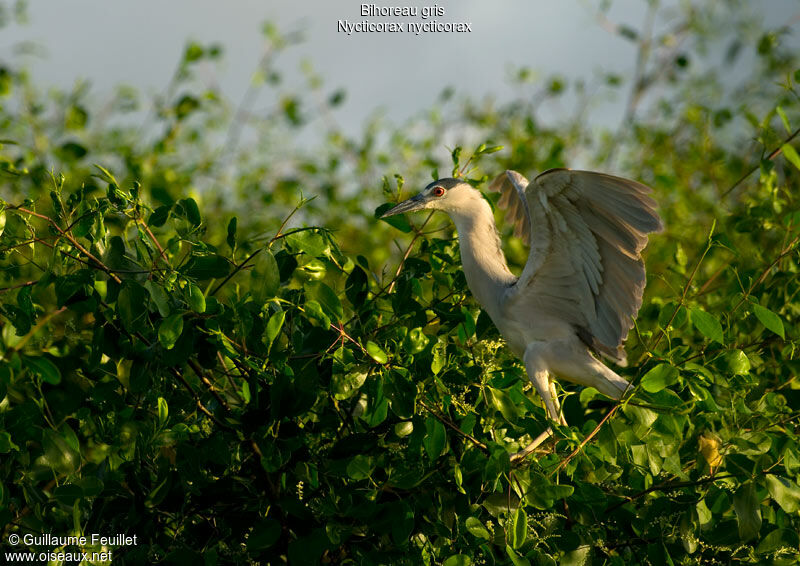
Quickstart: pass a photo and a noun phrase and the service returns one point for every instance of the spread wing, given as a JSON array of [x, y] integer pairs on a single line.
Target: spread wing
[[587, 231], [511, 186]]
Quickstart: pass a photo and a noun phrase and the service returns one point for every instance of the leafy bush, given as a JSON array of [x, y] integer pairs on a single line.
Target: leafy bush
[[240, 388]]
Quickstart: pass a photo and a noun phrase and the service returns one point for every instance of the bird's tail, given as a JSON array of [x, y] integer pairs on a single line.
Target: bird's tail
[[608, 382]]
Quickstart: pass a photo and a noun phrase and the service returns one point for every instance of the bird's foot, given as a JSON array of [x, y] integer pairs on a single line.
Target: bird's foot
[[525, 452]]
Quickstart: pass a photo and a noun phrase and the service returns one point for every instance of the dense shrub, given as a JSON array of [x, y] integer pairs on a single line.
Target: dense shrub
[[192, 354]]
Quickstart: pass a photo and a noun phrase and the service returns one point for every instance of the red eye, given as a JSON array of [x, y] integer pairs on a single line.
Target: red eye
[[438, 191]]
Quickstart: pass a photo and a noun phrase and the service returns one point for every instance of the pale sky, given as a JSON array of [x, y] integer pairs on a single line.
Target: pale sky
[[139, 43]]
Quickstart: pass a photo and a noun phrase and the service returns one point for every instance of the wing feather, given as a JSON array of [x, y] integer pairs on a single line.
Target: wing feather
[[587, 231], [511, 186]]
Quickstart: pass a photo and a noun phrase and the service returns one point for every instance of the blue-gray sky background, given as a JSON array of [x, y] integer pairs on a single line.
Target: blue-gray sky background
[[139, 43]]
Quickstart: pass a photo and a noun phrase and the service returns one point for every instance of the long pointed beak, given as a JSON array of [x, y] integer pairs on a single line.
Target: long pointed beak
[[410, 205]]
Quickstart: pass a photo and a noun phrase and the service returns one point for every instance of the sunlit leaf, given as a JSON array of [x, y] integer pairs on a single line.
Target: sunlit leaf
[[475, 527], [769, 319], [376, 352], [196, 299], [170, 330], [44, 369], [785, 492], [518, 530], [707, 324], [791, 155], [661, 376]]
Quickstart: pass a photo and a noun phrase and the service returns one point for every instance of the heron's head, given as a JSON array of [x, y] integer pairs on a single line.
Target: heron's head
[[449, 195]]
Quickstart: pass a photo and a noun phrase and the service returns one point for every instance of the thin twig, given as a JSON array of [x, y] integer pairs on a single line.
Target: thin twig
[[71, 239], [786, 251], [450, 424], [417, 235], [236, 270], [26, 284], [279, 234], [210, 386], [681, 300], [161, 251], [638, 83], [773, 154], [199, 402], [585, 441]]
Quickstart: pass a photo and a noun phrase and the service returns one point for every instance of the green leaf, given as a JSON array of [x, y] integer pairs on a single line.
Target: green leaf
[[785, 492], [309, 242], [503, 403], [327, 298], [477, 529], [274, 325], [557, 491], [265, 533], [44, 369], [360, 467], [791, 155], [456, 156], [106, 175], [246, 395], [59, 454], [159, 296], [170, 330], [398, 221], [519, 528], [642, 416], [582, 556], [356, 287], [748, 511], [769, 319], [469, 322], [344, 386], [163, 410], [265, 277], [197, 301], [376, 352], [435, 440], [192, 212], [193, 52], [661, 376], [707, 324], [737, 362], [515, 558], [416, 341], [231, 238], [784, 119], [6, 444], [159, 216], [458, 560], [404, 428], [132, 305], [438, 359], [315, 312], [68, 494], [210, 266], [779, 539]]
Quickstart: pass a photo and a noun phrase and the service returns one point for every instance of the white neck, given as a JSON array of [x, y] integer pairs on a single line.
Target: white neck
[[482, 255]]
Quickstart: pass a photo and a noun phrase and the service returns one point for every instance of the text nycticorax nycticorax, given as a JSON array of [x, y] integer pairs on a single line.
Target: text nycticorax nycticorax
[[583, 280]]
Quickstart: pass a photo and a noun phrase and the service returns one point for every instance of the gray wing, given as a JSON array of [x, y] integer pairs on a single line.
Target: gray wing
[[511, 186], [587, 231]]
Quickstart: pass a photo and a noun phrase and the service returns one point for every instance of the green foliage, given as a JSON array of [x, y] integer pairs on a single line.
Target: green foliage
[[256, 388]]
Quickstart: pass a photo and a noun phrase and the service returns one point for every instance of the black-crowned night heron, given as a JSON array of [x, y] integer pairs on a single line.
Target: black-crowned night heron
[[583, 280]]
